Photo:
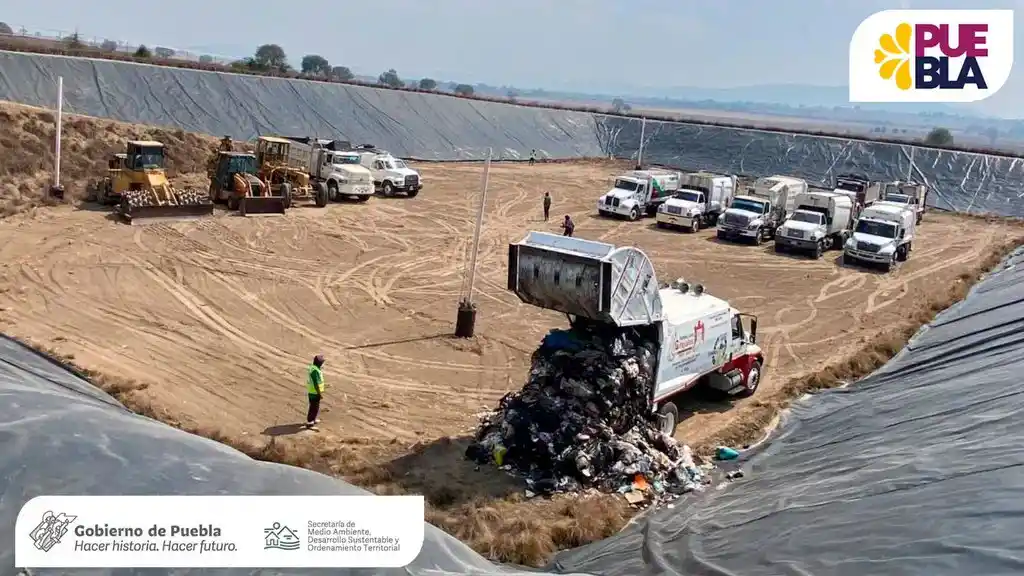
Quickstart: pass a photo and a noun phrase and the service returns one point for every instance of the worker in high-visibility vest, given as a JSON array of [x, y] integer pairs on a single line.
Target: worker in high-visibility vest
[[314, 389]]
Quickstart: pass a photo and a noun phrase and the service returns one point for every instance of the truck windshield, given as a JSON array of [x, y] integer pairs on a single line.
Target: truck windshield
[[399, 163], [339, 159], [688, 196], [901, 198], [812, 217], [881, 229], [625, 185], [748, 205], [850, 185]]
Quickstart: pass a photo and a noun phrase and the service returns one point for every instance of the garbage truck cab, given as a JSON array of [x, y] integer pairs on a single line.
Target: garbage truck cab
[[699, 338]]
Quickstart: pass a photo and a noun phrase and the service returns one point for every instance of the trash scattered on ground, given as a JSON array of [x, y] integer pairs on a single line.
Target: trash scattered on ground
[[583, 419], [734, 475], [726, 453]]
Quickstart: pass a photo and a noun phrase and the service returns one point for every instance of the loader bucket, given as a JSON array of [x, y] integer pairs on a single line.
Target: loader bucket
[[585, 278], [261, 205], [160, 213]]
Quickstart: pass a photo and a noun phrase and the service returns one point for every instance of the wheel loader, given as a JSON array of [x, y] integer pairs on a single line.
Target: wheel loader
[[278, 167], [136, 184], [233, 181]]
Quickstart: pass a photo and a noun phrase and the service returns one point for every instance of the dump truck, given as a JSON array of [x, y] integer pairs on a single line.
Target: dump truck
[[136, 185], [700, 201], [883, 235], [821, 221], [277, 165], [861, 189], [907, 193], [638, 193], [233, 182], [390, 174], [699, 338], [334, 164], [755, 216]]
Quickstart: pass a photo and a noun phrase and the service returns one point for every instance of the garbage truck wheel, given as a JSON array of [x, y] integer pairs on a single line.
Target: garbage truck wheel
[[668, 417], [753, 380], [634, 214], [321, 195], [695, 227]]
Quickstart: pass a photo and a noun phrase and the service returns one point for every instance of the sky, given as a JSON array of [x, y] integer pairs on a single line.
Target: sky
[[603, 46]]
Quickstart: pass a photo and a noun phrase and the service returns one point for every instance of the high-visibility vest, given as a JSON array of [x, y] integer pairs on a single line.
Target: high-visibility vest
[[311, 383]]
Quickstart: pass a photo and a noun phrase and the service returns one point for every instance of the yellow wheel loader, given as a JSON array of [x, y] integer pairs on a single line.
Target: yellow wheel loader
[[136, 184], [233, 181], [278, 166]]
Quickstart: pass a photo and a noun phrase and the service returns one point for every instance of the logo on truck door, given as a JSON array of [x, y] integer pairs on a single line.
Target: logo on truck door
[[686, 346]]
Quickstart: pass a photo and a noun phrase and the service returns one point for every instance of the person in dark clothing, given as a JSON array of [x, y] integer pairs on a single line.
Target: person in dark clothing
[[314, 389], [567, 226], [547, 205], [533, 157]]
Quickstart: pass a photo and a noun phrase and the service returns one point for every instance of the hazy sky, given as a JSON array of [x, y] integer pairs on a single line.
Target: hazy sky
[[586, 45]]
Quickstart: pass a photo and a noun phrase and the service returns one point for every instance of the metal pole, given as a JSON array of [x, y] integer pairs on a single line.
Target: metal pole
[[479, 223], [60, 120], [910, 167], [640, 154]]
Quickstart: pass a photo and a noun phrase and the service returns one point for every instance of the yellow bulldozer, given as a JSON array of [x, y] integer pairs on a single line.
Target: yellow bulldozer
[[136, 184], [278, 166], [233, 181]]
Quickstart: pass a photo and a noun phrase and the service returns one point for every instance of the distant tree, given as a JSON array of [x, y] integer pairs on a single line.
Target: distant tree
[[143, 52], [939, 137], [463, 90], [5, 28], [109, 45], [73, 41], [206, 59], [270, 57], [162, 52], [342, 73], [315, 64], [428, 84], [390, 78]]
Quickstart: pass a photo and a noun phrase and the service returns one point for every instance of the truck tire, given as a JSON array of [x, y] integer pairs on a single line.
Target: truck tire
[[891, 263], [695, 227], [233, 202], [286, 195], [758, 237], [388, 188], [332, 190], [752, 382], [818, 249], [321, 195], [634, 214], [668, 418]]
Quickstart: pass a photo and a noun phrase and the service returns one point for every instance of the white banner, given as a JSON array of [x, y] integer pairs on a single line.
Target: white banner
[[219, 531]]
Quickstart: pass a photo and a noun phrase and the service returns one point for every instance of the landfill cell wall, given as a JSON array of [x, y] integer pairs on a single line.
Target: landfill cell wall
[[440, 127], [917, 469]]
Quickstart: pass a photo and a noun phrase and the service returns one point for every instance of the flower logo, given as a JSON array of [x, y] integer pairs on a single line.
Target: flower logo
[[893, 55]]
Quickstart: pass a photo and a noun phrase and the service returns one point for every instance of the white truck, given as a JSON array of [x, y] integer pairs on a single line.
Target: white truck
[[390, 174], [907, 193], [884, 235], [333, 165], [700, 201], [698, 338], [638, 192], [755, 216], [821, 221]]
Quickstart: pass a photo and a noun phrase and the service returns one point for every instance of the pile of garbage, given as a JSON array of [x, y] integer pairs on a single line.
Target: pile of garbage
[[584, 420]]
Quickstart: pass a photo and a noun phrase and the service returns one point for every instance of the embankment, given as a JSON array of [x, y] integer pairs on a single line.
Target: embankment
[[440, 127]]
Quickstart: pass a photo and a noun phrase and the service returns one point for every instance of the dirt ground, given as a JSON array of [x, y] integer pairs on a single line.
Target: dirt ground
[[215, 319]]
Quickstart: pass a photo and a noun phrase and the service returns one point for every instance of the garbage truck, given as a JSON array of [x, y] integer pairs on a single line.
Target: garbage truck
[[331, 164], [907, 193], [822, 221], [699, 338], [884, 235], [756, 216], [638, 193], [700, 201]]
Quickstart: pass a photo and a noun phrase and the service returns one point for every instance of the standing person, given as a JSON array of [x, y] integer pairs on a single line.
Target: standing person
[[314, 389], [547, 205], [533, 157], [568, 227]]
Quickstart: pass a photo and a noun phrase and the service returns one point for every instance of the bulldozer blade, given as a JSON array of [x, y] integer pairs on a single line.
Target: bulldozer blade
[[265, 205], [154, 214]]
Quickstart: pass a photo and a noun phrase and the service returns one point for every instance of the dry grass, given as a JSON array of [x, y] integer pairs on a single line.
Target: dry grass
[[45, 46], [488, 510], [26, 153]]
